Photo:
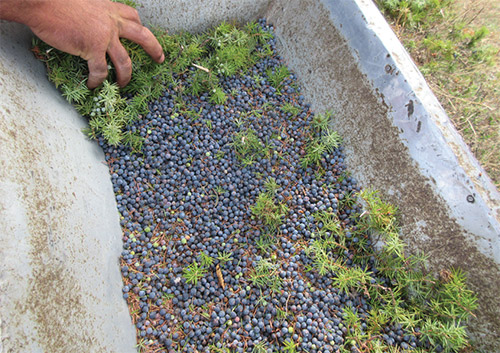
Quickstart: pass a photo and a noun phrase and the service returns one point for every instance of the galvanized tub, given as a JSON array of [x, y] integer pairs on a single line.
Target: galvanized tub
[[60, 286]]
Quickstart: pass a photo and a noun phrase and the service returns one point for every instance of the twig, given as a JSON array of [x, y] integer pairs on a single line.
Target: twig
[[201, 68], [475, 16], [441, 91], [472, 127]]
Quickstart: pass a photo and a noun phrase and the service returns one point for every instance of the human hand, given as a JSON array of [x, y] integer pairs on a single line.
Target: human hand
[[89, 29]]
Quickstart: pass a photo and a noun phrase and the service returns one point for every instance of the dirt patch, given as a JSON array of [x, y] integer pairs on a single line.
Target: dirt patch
[[51, 298], [482, 13]]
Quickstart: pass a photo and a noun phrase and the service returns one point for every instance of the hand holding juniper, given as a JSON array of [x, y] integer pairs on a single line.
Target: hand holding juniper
[[89, 29]]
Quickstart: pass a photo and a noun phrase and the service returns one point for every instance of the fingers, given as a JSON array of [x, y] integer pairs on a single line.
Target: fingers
[[133, 30], [143, 36], [98, 70], [128, 25], [121, 61], [128, 13]]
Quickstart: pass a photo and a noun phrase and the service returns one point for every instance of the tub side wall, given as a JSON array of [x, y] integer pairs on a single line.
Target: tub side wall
[[417, 171], [197, 16], [60, 237]]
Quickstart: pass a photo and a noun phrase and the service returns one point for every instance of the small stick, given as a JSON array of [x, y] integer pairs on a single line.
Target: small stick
[[201, 68], [220, 277]]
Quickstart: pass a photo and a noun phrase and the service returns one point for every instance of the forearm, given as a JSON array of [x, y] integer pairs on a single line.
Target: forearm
[[20, 10]]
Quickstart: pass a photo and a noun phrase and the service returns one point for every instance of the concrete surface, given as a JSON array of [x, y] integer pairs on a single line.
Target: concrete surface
[[60, 238], [197, 16], [397, 137]]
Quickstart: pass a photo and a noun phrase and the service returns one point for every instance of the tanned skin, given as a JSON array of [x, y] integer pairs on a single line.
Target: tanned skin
[[86, 28]]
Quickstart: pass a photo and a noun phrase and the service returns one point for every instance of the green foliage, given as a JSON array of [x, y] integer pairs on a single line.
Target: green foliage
[[291, 109], [330, 140], [348, 278], [205, 260], [322, 252], [439, 307], [260, 347], [452, 302], [217, 96], [271, 186], [451, 335], [269, 211], [277, 77], [290, 346], [413, 298], [459, 44], [266, 275], [477, 36], [108, 111], [219, 155], [198, 59], [224, 257], [318, 146], [324, 140], [281, 314], [215, 349], [194, 272], [314, 152], [379, 215], [331, 223], [234, 48], [265, 242], [248, 146], [201, 81], [412, 12], [321, 122]]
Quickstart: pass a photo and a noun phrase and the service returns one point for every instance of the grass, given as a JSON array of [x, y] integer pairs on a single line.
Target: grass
[[456, 46]]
